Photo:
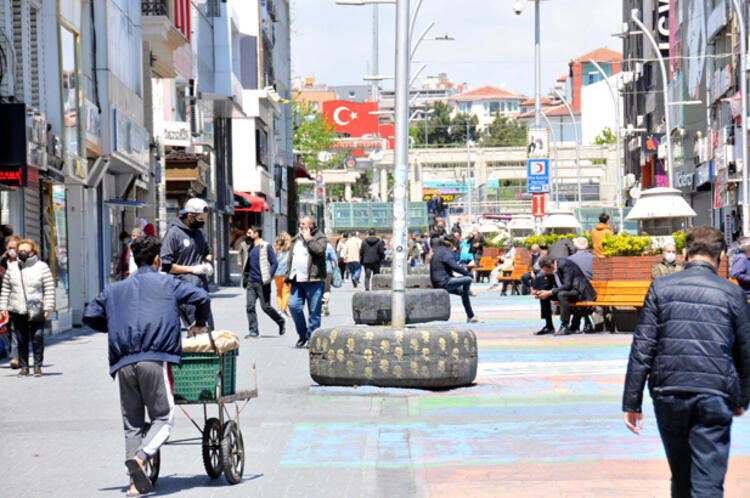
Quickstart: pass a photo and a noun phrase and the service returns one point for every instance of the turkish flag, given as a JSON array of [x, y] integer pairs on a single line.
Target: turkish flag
[[388, 131], [352, 118]]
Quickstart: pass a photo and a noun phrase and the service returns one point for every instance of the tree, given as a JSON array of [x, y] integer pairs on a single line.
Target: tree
[[439, 129], [313, 134], [504, 131], [606, 137]]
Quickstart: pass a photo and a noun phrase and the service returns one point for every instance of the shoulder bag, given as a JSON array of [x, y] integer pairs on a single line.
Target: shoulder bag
[[34, 309]]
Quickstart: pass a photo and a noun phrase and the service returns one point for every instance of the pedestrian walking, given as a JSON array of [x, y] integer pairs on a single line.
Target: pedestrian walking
[[140, 315], [281, 247], [598, 233], [741, 266], [566, 284], [132, 267], [122, 270], [260, 267], [186, 253], [478, 244], [27, 298], [351, 257], [245, 245], [307, 274], [372, 255], [340, 248], [692, 343], [331, 262], [668, 263], [442, 266], [11, 255]]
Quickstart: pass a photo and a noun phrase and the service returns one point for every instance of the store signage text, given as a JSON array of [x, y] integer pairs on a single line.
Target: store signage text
[[13, 176], [177, 133], [663, 27]]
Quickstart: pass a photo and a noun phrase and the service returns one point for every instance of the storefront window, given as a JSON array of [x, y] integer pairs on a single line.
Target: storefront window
[[71, 93], [55, 240]]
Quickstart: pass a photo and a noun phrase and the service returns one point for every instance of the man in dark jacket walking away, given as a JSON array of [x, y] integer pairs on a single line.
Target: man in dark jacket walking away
[[567, 284], [371, 255], [142, 318], [260, 267], [307, 272], [442, 266], [186, 253], [692, 343]]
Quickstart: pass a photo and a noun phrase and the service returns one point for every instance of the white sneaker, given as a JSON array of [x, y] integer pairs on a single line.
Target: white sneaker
[[472, 292], [473, 320]]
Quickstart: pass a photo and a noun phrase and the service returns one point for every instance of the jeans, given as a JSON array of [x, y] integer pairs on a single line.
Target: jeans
[[255, 291], [460, 286], [528, 280], [25, 332], [695, 431], [354, 270], [369, 271], [312, 292]]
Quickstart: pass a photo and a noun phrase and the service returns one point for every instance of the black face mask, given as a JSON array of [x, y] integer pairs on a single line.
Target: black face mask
[[23, 256], [196, 224]]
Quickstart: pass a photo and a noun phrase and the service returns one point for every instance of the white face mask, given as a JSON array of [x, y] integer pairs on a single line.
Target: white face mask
[[670, 257]]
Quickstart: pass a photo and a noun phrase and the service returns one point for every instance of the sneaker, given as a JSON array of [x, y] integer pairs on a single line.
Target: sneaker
[[37, 371], [563, 330], [14, 364], [250, 335], [282, 328], [472, 292], [544, 331], [326, 311], [23, 373], [473, 319], [301, 343]]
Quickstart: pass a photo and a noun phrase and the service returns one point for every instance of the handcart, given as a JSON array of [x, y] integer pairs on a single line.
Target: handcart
[[209, 378]]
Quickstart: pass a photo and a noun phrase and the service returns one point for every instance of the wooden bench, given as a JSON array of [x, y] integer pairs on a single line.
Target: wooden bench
[[514, 279], [486, 265]]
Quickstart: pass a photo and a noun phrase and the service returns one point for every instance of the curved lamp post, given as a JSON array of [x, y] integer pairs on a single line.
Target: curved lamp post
[[578, 144], [555, 179]]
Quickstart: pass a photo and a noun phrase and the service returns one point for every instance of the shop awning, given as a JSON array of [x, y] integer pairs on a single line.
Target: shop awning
[[247, 202], [300, 171]]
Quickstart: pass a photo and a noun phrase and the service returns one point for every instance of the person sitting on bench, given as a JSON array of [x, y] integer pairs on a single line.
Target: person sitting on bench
[[567, 285]]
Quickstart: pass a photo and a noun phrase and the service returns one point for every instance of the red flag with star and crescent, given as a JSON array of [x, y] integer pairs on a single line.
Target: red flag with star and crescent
[[352, 118]]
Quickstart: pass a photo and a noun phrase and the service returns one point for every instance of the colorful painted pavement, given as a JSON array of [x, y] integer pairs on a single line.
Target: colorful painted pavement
[[543, 419]]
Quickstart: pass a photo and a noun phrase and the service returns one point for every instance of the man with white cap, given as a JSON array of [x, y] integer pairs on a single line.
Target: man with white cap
[[186, 253]]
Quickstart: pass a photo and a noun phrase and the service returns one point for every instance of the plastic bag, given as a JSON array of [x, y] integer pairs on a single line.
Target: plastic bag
[[336, 280]]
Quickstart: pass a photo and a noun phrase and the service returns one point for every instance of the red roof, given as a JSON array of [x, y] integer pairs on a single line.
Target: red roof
[[486, 93], [550, 111], [532, 101], [602, 54]]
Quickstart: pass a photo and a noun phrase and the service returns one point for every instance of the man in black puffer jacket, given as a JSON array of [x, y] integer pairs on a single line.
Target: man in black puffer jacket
[[692, 343], [371, 256]]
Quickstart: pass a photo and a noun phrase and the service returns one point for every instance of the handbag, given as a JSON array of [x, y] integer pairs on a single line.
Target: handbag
[[34, 309], [336, 280]]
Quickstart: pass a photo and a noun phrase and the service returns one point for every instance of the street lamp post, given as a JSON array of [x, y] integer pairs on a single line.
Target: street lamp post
[[578, 144], [401, 165], [634, 16], [468, 172], [616, 102], [555, 179], [743, 121]]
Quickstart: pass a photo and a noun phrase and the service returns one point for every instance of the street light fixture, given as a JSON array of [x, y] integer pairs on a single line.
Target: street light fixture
[[518, 9], [578, 143]]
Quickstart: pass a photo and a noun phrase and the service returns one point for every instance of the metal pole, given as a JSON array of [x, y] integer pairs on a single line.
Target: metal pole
[[537, 68], [616, 102], [555, 179], [667, 119], [743, 122], [578, 144], [375, 54], [468, 172], [401, 166]]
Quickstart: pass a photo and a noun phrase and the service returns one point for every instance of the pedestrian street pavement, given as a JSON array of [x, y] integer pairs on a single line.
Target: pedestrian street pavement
[[543, 419]]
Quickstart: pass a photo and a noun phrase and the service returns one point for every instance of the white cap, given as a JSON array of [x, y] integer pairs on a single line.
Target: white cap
[[195, 206]]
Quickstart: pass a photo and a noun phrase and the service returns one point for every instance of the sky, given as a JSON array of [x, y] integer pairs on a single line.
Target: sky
[[493, 46]]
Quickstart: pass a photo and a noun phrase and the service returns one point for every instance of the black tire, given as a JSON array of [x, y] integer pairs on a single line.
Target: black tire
[[153, 464], [381, 282], [233, 452], [422, 306], [211, 448], [416, 357]]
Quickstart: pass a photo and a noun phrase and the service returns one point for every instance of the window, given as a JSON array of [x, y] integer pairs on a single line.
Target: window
[[494, 108], [71, 92], [463, 107]]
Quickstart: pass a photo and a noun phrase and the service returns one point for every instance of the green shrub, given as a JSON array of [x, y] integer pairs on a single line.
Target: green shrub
[[679, 241], [626, 245], [545, 241]]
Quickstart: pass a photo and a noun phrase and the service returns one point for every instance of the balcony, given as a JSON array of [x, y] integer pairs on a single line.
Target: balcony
[[159, 26]]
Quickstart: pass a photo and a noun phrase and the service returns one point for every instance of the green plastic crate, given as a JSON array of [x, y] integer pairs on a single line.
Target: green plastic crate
[[196, 380]]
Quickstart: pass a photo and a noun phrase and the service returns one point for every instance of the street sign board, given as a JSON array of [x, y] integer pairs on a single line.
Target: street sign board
[[537, 205], [537, 176], [537, 143]]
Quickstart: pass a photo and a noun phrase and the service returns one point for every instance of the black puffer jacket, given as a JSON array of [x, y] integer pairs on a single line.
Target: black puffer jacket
[[372, 252], [693, 336]]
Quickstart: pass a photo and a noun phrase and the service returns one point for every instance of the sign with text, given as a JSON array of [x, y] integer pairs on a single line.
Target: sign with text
[[537, 176], [537, 205], [538, 143]]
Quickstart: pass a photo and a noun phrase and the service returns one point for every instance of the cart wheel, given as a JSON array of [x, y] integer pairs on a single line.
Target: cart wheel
[[233, 452], [212, 460], [153, 464]]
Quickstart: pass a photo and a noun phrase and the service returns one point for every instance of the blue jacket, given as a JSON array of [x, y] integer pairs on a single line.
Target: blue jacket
[[331, 258], [693, 337], [142, 318], [442, 266], [741, 272], [252, 265]]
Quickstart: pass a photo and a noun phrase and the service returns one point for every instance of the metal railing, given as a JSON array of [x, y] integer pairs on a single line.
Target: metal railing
[[154, 8], [379, 215]]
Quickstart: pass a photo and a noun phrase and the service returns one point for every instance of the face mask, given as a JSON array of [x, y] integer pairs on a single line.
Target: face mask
[[669, 257], [196, 224], [12, 253], [23, 256]]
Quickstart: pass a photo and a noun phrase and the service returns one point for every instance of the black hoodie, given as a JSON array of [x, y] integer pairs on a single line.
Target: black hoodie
[[186, 247], [372, 251]]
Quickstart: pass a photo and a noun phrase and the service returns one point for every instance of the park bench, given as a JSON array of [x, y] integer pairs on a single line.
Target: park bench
[[514, 279], [486, 265]]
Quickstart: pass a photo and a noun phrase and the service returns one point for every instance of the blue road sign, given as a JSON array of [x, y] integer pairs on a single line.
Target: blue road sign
[[537, 175]]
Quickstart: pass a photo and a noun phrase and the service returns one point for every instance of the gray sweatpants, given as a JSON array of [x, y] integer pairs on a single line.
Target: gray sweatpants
[[145, 386]]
